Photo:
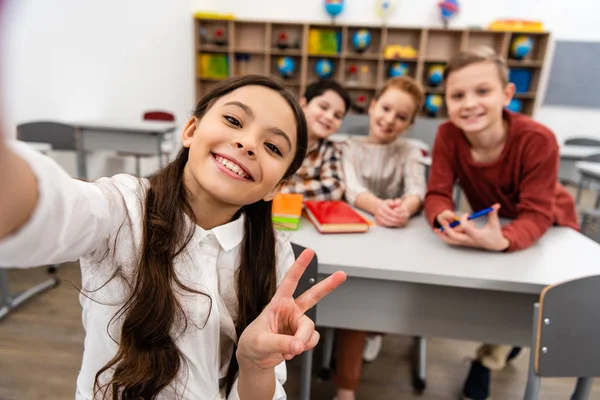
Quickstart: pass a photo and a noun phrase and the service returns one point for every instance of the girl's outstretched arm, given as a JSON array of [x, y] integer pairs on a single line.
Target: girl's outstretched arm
[[18, 191]]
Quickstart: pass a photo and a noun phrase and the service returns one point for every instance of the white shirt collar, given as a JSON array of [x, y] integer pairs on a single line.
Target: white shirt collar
[[228, 236]]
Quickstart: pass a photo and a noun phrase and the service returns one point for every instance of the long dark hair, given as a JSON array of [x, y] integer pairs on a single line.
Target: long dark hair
[[148, 359]]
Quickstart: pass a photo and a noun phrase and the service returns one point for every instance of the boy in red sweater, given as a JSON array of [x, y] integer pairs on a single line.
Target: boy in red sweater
[[499, 158]]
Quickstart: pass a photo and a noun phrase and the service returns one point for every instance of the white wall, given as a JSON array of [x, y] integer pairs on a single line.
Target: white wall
[[94, 59], [98, 59], [567, 20]]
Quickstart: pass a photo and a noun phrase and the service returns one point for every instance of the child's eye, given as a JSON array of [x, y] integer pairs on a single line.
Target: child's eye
[[273, 148], [324, 107], [338, 116], [483, 91], [457, 96], [233, 121], [386, 108], [401, 117]]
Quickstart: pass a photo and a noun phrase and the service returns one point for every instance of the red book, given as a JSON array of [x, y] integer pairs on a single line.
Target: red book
[[335, 217]]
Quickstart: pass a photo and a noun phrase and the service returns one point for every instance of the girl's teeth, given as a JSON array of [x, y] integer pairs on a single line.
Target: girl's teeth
[[233, 167]]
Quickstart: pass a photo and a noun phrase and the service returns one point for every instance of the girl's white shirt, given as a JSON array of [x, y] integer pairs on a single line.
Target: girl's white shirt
[[80, 220]]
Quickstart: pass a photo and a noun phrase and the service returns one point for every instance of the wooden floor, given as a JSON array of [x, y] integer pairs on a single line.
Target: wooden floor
[[41, 346]]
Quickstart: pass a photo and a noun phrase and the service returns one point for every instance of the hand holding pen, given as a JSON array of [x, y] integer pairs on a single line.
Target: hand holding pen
[[489, 237]]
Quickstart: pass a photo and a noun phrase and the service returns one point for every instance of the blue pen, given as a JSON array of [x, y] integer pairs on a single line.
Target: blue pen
[[477, 214]]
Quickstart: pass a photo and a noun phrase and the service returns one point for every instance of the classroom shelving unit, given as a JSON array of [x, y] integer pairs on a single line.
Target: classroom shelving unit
[[249, 46]]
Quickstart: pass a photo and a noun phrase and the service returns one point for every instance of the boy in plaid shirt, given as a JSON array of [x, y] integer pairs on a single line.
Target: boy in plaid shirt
[[325, 103]]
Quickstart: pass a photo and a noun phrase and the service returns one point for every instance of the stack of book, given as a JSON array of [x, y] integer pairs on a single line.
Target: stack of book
[[287, 211]]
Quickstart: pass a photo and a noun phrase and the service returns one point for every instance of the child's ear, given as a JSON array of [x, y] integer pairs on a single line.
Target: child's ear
[[372, 105], [303, 102], [188, 132], [274, 192], [509, 92]]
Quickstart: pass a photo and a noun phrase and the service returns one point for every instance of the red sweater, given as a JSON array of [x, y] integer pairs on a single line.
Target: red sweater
[[523, 180]]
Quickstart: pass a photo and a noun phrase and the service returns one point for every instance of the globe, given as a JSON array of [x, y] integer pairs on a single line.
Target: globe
[[398, 69], [433, 103], [521, 46], [448, 8], [515, 105], [324, 68], [286, 66], [361, 40], [435, 74]]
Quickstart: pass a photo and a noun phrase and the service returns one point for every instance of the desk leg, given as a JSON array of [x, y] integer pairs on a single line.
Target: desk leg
[[160, 138], [419, 368], [9, 302], [532, 389], [583, 389], [325, 372], [305, 374], [4, 294], [81, 161]]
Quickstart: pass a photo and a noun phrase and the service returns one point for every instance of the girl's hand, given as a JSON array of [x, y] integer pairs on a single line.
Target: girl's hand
[[489, 237], [282, 331], [386, 214]]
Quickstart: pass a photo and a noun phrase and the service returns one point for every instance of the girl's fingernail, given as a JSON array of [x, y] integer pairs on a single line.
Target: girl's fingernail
[[297, 347]]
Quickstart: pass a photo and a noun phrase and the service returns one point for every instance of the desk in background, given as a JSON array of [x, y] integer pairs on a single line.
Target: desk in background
[[589, 171], [408, 282], [569, 155], [143, 138]]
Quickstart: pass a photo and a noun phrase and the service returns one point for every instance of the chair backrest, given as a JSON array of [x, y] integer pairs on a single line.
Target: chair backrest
[[309, 278], [590, 224], [158, 116], [592, 158], [60, 136], [582, 142], [568, 329]]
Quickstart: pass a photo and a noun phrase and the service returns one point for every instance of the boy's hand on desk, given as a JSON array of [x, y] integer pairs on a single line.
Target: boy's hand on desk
[[282, 330], [489, 237]]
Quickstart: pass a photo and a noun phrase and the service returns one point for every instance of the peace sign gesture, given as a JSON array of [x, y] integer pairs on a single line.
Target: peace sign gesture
[[282, 331]]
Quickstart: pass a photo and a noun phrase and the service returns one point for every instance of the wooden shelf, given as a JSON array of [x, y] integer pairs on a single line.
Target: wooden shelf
[[250, 51], [290, 52], [358, 86], [200, 78], [435, 90], [525, 95], [525, 63], [213, 48], [261, 41], [359, 56]]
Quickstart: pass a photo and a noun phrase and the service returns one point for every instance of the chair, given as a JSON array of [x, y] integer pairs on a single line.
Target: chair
[[59, 136], [161, 116], [309, 278], [582, 142], [565, 338], [585, 181]]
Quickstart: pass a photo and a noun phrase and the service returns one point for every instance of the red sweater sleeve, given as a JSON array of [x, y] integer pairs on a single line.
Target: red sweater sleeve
[[537, 193], [442, 176]]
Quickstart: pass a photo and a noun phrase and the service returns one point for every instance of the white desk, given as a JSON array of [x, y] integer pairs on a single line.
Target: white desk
[[569, 155], [141, 138], [406, 281]]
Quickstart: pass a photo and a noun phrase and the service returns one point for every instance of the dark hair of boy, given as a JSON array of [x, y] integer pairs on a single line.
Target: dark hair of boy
[[319, 87]]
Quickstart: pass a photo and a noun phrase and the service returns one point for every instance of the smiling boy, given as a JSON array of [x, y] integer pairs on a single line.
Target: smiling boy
[[499, 158], [325, 104]]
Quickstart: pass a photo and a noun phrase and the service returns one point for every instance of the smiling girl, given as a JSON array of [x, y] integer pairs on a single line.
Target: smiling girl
[[180, 273]]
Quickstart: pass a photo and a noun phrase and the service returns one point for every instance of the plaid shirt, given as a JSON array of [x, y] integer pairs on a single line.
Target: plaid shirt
[[321, 175]]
